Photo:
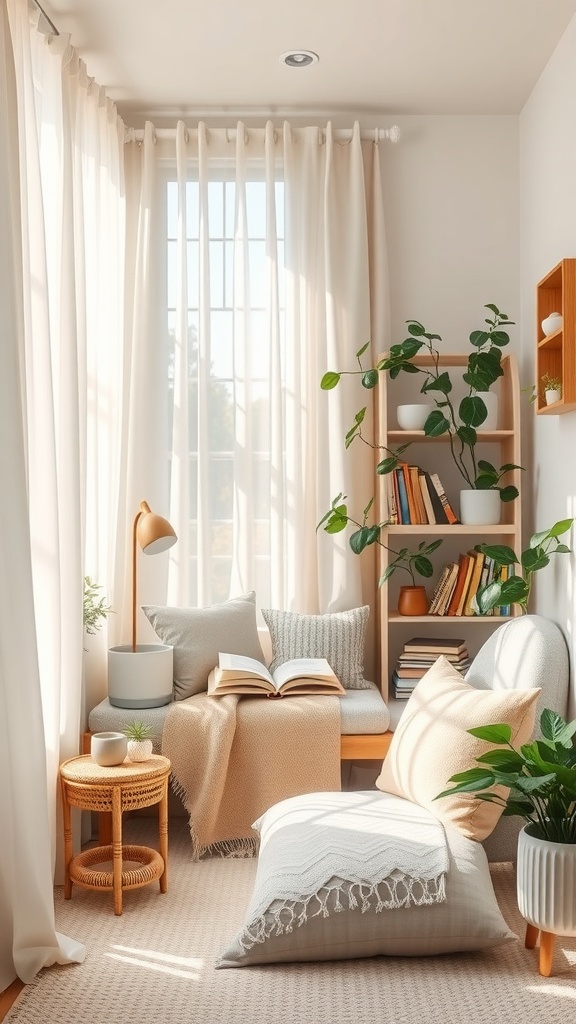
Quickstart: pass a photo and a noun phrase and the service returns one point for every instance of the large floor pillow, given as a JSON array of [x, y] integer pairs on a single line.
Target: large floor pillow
[[439, 899]]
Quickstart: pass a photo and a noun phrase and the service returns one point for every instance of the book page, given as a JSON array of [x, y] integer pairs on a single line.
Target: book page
[[237, 666], [302, 667]]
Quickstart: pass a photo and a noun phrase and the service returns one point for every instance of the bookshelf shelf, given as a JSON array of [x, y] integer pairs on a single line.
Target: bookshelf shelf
[[501, 445]]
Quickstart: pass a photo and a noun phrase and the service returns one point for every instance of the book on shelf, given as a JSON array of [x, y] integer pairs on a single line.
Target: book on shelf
[[465, 565], [433, 644], [450, 513], [426, 660], [403, 508], [426, 499], [392, 502], [404, 469], [421, 514], [474, 582], [438, 509], [446, 595], [237, 674], [445, 583]]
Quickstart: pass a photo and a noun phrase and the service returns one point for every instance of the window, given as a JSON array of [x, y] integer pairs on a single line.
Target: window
[[223, 297]]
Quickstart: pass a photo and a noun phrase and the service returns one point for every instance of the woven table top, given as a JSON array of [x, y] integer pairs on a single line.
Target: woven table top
[[84, 769]]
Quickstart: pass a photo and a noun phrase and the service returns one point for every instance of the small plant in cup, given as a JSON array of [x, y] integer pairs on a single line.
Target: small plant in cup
[[139, 742], [552, 387]]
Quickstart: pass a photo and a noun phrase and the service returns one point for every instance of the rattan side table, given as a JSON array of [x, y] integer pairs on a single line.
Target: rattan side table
[[125, 787]]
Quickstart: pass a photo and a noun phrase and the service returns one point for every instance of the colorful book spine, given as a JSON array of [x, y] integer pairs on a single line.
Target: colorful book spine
[[450, 513], [404, 511]]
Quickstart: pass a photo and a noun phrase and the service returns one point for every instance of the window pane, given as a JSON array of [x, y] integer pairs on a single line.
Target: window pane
[[221, 342], [215, 209]]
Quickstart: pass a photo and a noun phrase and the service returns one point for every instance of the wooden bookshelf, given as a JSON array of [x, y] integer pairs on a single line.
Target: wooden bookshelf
[[500, 446]]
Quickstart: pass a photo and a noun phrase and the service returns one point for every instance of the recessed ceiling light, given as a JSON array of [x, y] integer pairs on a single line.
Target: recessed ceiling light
[[299, 58]]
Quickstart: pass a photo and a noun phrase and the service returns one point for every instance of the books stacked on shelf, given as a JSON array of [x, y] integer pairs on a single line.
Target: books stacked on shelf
[[419, 654], [459, 582], [417, 498]]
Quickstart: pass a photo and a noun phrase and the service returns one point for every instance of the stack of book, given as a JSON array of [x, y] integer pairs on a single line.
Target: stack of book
[[459, 582], [419, 655], [417, 498]]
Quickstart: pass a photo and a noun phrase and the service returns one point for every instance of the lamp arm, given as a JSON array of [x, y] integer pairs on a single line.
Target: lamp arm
[[144, 507]]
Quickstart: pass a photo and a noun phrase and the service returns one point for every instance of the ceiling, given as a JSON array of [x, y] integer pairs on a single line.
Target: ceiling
[[186, 58]]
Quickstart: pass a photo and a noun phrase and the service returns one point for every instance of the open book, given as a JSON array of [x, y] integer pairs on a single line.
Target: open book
[[237, 674]]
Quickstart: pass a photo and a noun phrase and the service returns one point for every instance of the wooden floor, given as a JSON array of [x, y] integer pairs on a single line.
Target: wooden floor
[[8, 997]]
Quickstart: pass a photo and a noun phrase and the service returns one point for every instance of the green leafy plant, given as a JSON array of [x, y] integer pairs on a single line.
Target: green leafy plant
[[138, 731], [517, 587], [550, 383], [540, 777], [337, 519], [484, 367], [95, 608]]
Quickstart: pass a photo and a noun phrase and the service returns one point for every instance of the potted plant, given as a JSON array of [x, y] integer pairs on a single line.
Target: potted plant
[[413, 599], [139, 743], [516, 588], [460, 424], [552, 387], [539, 785]]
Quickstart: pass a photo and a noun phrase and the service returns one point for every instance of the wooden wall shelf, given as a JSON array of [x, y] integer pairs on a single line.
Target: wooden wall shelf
[[556, 353]]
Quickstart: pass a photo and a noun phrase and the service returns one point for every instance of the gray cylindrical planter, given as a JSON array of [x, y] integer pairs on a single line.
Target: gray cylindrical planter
[[142, 678]]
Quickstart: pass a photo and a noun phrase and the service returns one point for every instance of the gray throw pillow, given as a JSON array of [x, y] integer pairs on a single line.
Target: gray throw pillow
[[336, 636], [199, 634]]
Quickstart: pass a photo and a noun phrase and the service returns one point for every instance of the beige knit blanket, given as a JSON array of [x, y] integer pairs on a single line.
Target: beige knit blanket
[[234, 757]]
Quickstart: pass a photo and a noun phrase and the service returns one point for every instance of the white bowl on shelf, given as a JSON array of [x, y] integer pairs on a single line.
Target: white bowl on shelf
[[414, 416], [552, 323]]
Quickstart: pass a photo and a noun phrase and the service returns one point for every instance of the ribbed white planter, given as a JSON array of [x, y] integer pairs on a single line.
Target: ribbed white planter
[[480, 508], [546, 883]]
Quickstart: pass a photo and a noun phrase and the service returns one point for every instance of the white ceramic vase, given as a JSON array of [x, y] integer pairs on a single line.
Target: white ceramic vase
[[490, 400], [551, 396], [546, 883], [480, 508], [552, 323], [413, 417]]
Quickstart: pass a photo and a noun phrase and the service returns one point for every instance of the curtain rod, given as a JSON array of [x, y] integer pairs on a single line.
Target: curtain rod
[[52, 27], [340, 134]]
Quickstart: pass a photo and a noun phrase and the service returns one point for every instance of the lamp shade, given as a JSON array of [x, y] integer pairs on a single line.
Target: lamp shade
[[155, 534]]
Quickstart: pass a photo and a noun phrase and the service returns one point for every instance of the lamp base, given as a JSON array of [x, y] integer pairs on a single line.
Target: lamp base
[[142, 678]]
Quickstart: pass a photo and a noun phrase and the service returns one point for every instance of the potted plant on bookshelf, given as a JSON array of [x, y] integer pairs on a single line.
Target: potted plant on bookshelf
[[483, 480], [539, 783], [517, 587], [552, 387], [413, 599]]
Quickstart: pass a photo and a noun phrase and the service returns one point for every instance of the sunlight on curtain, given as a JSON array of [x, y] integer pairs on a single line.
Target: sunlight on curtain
[[71, 210], [263, 251]]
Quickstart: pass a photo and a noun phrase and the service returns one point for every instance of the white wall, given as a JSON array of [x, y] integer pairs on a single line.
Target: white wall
[[548, 234]]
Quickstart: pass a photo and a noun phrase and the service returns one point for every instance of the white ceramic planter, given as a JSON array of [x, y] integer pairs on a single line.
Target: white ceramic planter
[[490, 400], [546, 883], [108, 748], [480, 508], [551, 396], [552, 323], [413, 417], [142, 678], [139, 750]]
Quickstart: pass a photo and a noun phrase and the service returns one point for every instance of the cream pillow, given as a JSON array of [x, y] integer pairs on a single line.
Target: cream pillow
[[431, 744], [199, 634], [336, 636]]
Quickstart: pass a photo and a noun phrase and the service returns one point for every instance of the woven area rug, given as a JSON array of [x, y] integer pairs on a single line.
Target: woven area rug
[[155, 964]]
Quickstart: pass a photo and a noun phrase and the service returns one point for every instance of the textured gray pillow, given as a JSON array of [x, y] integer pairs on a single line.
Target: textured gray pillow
[[336, 636], [199, 634]]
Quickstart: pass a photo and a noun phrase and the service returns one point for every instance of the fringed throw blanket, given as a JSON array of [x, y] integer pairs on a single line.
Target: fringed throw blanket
[[234, 757], [323, 853]]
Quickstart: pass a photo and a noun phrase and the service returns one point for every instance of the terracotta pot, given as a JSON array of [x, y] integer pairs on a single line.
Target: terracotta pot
[[413, 601]]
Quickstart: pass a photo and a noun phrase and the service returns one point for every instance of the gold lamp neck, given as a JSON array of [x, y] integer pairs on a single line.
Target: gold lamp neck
[[154, 534]]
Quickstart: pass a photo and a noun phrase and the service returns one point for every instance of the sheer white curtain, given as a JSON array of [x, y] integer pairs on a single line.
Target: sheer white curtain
[[264, 252], [65, 142]]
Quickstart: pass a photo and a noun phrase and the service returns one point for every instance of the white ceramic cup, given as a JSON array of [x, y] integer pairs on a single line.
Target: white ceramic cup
[[108, 748]]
